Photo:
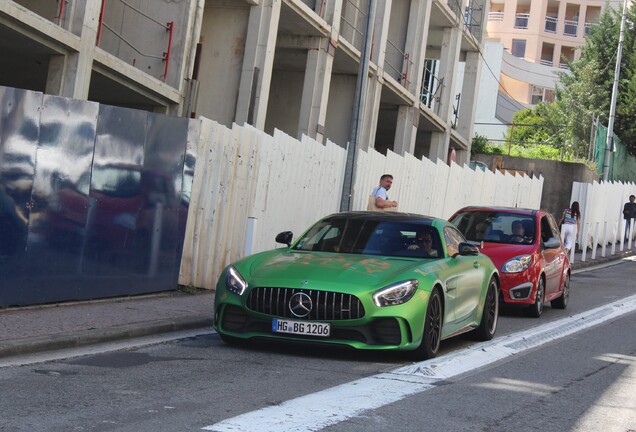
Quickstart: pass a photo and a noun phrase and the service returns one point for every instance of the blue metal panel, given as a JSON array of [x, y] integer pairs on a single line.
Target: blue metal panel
[[116, 203], [19, 131], [89, 208], [59, 200], [164, 163]]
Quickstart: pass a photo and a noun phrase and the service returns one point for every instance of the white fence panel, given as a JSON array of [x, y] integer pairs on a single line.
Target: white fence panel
[[279, 183], [602, 203]]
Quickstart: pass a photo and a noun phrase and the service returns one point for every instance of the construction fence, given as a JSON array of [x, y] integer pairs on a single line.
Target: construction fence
[[248, 186], [602, 222]]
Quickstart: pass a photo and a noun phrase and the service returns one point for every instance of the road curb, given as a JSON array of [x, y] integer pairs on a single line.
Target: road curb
[[96, 336], [579, 265]]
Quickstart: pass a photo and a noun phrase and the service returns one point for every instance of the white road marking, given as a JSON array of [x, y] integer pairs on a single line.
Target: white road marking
[[325, 408]]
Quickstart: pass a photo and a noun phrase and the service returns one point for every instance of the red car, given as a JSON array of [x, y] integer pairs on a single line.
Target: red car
[[525, 246]]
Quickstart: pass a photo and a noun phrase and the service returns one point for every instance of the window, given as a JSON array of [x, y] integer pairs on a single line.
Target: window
[[519, 48], [537, 95], [541, 94]]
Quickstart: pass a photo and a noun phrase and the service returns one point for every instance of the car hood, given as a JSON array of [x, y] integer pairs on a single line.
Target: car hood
[[285, 268], [499, 253]]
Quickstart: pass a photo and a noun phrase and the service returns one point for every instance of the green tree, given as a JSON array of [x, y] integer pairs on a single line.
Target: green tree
[[584, 93], [541, 125]]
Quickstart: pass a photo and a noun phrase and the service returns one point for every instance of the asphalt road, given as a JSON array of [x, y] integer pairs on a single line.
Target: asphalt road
[[561, 375]]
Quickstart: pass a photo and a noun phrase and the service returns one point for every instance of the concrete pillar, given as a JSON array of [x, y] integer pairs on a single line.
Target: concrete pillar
[[70, 75], [416, 40], [415, 46], [406, 129], [258, 61], [468, 98], [376, 81], [447, 69], [313, 106], [462, 157]]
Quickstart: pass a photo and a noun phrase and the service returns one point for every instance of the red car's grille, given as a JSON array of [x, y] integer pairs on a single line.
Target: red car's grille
[[324, 305]]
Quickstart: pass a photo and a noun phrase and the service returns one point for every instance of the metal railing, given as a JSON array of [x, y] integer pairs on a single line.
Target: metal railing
[[495, 16], [473, 19], [455, 6], [551, 24], [169, 27], [432, 86], [398, 63], [353, 22], [521, 20], [588, 26], [546, 62], [571, 27], [61, 12]]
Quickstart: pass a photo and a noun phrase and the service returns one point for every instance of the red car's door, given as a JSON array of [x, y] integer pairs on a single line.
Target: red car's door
[[553, 259]]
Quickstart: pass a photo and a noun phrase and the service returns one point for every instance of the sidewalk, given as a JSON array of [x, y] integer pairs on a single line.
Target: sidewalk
[[26, 330], [33, 329]]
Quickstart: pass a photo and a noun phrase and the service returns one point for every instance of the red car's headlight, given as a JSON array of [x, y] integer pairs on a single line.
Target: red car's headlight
[[517, 264]]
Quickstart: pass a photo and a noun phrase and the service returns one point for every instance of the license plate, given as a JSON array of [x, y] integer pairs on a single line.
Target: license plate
[[301, 327]]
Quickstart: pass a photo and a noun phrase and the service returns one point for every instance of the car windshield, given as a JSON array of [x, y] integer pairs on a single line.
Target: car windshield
[[495, 227], [414, 239]]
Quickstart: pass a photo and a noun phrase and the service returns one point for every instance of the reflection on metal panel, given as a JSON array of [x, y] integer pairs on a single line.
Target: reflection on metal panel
[[88, 208], [59, 200], [19, 130], [113, 242], [165, 153]]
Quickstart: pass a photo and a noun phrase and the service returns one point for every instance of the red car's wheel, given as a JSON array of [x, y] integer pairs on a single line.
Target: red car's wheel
[[536, 309], [562, 302]]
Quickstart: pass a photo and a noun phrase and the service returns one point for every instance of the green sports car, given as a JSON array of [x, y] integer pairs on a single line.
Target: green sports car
[[368, 280]]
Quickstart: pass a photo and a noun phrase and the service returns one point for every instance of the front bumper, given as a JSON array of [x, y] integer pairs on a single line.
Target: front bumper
[[518, 288]]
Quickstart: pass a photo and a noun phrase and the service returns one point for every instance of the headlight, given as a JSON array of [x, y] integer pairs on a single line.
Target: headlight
[[234, 282], [517, 264], [395, 294]]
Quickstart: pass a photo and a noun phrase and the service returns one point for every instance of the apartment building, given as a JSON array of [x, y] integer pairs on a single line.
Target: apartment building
[[527, 43], [291, 65]]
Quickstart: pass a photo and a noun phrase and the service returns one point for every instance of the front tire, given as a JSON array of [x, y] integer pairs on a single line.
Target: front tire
[[490, 315], [536, 309], [432, 332], [562, 302]]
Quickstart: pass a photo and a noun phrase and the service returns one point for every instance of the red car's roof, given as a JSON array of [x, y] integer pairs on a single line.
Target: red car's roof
[[515, 210]]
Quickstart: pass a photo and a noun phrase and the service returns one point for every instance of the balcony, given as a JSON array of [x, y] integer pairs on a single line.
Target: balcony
[[521, 20], [546, 62], [551, 24], [495, 16], [571, 28]]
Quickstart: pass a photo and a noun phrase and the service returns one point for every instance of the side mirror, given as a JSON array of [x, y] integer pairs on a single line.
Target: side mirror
[[285, 237], [552, 243], [468, 249]]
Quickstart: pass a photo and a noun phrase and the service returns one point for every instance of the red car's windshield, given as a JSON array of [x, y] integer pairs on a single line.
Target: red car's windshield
[[496, 227]]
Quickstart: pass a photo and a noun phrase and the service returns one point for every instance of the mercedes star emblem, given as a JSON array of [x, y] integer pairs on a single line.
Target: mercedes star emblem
[[300, 305]]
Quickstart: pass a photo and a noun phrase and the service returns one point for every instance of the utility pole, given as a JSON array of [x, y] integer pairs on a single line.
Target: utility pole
[[609, 144], [358, 109]]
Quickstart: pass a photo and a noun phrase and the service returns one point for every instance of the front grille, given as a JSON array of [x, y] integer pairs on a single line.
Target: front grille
[[325, 305]]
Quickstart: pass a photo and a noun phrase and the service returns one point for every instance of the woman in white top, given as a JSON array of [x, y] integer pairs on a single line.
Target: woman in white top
[[571, 222]]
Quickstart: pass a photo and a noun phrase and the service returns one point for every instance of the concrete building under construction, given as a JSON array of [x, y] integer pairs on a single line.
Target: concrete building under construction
[[292, 65]]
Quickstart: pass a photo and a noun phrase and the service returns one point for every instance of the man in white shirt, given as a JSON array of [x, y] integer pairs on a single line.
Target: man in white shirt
[[382, 201]]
